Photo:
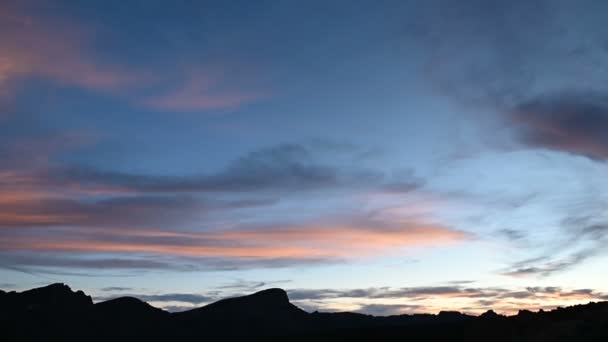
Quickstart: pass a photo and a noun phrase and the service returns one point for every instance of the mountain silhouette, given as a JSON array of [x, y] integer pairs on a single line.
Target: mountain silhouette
[[56, 312], [265, 313]]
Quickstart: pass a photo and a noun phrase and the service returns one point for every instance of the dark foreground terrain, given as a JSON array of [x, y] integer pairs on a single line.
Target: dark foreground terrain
[[55, 312]]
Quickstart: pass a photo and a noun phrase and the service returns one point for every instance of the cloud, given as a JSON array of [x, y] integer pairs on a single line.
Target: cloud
[[545, 266], [32, 209], [511, 234], [176, 297], [202, 92], [285, 167], [190, 298], [389, 309], [149, 224], [407, 300], [116, 289], [91, 212], [387, 293], [585, 238], [84, 219], [55, 50], [493, 56], [250, 286], [41, 263], [440, 292], [65, 54], [315, 241], [95, 264], [571, 122]]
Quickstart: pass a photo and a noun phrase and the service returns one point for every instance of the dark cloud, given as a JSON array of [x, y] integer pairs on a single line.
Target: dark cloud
[[548, 289], [389, 309], [283, 167], [572, 122], [461, 282], [85, 265], [50, 263], [487, 302], [511, 234]]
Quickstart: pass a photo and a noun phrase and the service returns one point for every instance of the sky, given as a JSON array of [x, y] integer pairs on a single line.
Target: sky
[[384, 157]]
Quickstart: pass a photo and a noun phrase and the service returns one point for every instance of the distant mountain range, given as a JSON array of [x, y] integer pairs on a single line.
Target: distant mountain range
[[55, 312]]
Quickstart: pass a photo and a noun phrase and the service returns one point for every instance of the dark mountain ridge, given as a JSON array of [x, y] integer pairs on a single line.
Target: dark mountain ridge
[[55, 311]]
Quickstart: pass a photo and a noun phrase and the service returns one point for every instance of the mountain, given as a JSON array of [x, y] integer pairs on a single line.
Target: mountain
[[127, 316], [265, 313], [57, 312], [54, 308]]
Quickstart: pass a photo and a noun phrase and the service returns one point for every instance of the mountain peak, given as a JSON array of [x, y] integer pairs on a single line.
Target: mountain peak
[[274, 295], [128, 307], [57, 298], [490, 314], [55, 287], [266, 300], [58, 292]]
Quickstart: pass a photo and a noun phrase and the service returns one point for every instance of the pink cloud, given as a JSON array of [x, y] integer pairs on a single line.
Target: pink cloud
[[39, 47], [36, 47]]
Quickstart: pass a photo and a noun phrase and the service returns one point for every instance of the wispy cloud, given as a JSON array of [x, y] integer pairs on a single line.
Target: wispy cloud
[[55, 51], [115, 289], [390, 301], [66, 212], [202, 92], [245, 286], [284, 167], [585, 236], [66, 55], [315, 241]]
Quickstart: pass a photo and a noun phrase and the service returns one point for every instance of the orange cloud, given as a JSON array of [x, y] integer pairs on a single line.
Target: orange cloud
[[300, 243]]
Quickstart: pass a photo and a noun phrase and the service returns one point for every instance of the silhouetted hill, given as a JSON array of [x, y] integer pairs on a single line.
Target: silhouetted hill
[[127, 316], [56, 312], [267, 313]]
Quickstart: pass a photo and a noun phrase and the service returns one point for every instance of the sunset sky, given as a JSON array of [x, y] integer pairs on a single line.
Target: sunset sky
[[375, 156]]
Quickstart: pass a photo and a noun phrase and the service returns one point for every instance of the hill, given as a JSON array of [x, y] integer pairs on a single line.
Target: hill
[[57, 312]]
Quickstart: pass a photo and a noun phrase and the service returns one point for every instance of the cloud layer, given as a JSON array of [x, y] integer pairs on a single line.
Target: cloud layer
[[57, 216]]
